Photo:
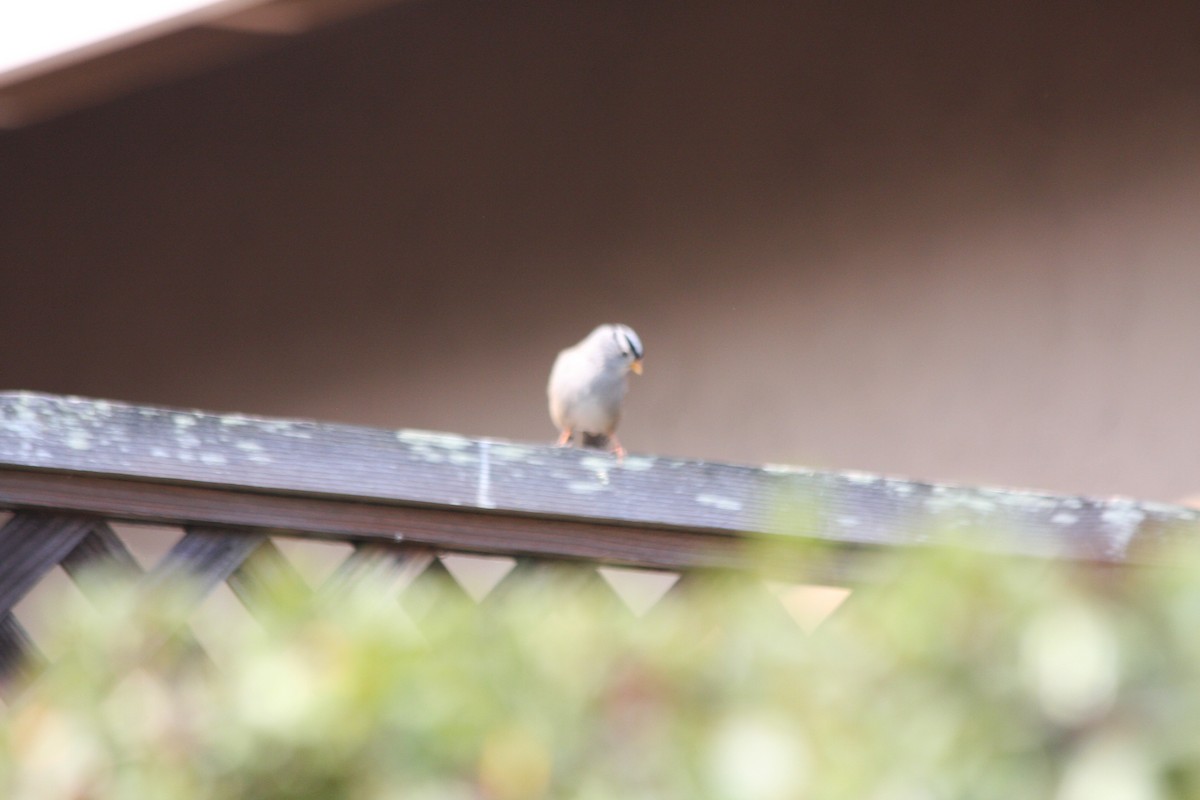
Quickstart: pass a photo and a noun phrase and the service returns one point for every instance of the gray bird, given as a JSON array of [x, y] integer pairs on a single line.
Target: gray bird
[[588, 384]]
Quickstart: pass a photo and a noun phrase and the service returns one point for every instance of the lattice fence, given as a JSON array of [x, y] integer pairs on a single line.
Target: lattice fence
[[76, 473], [255, 566]]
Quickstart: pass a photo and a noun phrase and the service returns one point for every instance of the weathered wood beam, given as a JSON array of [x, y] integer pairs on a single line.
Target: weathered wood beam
[[488, 495]]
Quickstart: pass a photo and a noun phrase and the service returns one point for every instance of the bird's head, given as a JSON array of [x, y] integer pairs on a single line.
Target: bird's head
[[620, 345]]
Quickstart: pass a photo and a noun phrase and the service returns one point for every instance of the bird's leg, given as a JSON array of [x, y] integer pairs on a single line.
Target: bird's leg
[[615, 447], [564, 438]]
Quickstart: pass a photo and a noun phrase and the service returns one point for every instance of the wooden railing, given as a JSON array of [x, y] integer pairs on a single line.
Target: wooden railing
[[71, 466]]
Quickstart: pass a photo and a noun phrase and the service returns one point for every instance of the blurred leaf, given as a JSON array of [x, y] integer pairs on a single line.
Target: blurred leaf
[[953, 675]]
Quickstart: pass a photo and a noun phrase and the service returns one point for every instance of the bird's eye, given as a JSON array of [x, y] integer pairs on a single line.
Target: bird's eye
[[627, 343], [622, 343]]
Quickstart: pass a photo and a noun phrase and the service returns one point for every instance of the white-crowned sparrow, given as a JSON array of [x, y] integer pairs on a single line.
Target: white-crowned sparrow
[[588, 384]]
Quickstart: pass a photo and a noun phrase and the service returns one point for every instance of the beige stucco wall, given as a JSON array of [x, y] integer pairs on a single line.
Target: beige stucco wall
[[949, 243]]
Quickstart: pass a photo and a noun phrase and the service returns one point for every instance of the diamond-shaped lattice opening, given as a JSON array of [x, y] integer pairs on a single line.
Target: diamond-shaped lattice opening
[[809, 604], [640, 589], [314, 559], [218, 616], [55, 594], [147, 543], [478, 575]]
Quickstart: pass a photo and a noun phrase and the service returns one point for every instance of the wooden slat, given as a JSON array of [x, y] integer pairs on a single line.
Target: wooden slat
[[521, 487], [100, 550], [559, 577], [434, 587], [32, 544], [20, 658], [198, 563], [395, 565], [266, 575], [205, 557]]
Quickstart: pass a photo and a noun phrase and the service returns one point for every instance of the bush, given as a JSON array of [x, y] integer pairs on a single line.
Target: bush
[[960, 676]]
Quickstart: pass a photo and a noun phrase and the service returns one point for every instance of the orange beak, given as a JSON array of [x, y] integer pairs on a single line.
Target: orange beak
[[636, 367]]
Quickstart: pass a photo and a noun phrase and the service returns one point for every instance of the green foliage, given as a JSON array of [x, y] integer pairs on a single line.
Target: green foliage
[[958, 676]]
